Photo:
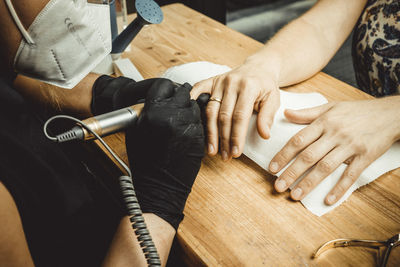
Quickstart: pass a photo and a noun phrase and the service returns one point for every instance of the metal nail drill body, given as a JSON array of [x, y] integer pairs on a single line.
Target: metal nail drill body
[[104, 124]]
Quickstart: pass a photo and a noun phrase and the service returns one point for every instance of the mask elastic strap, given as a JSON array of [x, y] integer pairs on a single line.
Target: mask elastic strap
[[21, 27]]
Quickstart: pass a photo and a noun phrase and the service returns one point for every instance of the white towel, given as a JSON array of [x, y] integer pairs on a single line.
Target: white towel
[[262, 151]]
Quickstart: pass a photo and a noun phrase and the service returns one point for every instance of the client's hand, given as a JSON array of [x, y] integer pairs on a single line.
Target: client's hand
[[236, 94], [165, 150], [356, 133]]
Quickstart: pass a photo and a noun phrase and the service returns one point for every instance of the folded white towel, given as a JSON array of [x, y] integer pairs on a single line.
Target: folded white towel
[[262, 151]]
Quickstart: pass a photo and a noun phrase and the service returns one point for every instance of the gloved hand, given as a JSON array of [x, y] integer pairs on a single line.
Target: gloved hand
[[165, 150], [109, 93]]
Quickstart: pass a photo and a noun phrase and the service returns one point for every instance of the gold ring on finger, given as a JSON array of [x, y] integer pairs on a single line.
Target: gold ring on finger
[[215, 99]]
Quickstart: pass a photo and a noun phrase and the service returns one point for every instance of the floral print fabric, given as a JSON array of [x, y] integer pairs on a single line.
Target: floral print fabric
[[376, 48]]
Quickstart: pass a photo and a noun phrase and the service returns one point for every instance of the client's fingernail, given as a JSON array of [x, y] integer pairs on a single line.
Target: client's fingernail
[[331, 199], [273, 166], [280, 185], [235, 150], [224, 155], [296, 194], [210, 149]]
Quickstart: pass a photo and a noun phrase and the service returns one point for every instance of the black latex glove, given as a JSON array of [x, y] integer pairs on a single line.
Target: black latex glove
[[202, 101], [165, 150], [109, 93]]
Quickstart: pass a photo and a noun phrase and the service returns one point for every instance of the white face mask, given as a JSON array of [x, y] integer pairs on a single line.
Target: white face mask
[[65, 41]]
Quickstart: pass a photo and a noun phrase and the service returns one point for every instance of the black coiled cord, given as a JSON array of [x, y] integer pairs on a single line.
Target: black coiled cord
[[128, 193], [137, 220]]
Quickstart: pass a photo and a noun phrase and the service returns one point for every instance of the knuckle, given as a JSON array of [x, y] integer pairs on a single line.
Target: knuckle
[[344, 184], [307, 184], [297, 140], [339, 190], [351, 175], [239, 116], [251, 89], [232, 78], [224, 117], [359, 147], [345, 133], [282, 157], [236, 134], [307, 156], [224, 141], [329, 121], [235, 141], [326, 119], [290, 175], [248, 82], [210, 111], [210, 137], [325, 166], [236, 137]]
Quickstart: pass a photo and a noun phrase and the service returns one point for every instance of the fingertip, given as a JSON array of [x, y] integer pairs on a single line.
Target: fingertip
[[273, 167], [267, 134], [289, 111], [280, 185], [235, 156], [290, 114], [211, 149], [296, 194], [235, 152], [263, 131], [264, 124], [330, 199], [224, 155]]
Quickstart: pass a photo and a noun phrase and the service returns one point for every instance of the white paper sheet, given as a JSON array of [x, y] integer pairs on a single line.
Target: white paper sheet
[[262, 151]]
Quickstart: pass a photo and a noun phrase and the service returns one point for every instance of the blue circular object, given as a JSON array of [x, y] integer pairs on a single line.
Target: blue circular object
[[150, 11]]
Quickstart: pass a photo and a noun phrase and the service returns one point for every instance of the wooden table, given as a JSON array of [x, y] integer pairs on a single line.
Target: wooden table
[[233, 217]]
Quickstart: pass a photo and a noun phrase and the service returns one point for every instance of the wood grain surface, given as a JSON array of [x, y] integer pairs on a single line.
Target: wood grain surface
[[233, 217]]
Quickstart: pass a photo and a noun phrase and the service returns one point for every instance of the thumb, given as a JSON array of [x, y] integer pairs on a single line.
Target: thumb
[[266, 114], [307, 115]]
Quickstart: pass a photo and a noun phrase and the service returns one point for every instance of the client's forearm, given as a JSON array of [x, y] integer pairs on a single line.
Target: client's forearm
[[305, 46]]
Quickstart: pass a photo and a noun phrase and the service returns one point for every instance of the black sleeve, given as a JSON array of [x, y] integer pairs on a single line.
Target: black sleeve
[[69, 216]]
